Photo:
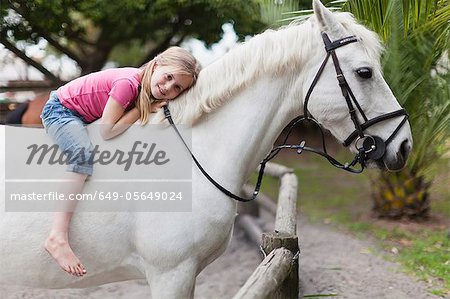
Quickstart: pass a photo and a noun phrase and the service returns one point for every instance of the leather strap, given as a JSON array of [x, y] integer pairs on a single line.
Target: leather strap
[[205, 173], [371, 122], [339, 43]]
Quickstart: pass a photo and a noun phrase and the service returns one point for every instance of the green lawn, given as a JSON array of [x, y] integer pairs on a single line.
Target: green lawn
[[333, 196]]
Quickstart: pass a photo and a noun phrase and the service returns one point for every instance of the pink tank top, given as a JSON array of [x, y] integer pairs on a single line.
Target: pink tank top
[[88, 94]]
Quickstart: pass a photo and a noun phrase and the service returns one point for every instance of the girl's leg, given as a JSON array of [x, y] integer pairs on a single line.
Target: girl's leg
[[68, 130], [57, 243]]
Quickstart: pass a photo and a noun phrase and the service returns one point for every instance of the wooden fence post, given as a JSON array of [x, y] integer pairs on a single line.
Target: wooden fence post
[[285, 234], [271, 241], [277, 275]]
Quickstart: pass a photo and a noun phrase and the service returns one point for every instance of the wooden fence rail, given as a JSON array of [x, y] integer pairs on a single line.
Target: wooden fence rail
[[269, 275]]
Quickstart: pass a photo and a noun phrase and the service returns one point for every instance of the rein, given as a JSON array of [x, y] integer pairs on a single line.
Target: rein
[[368, 146]]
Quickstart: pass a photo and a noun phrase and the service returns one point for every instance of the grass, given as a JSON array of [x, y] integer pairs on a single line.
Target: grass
[[428, 257], [329, 195]]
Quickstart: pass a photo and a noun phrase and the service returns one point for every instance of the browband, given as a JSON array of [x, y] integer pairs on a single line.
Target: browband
[[329, 45]]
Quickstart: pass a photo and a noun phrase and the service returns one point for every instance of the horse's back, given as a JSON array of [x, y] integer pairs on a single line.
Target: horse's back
[[2, 170], [93, 235]]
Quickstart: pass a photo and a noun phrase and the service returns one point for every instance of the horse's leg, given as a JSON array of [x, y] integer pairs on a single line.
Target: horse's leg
[[176, 283]]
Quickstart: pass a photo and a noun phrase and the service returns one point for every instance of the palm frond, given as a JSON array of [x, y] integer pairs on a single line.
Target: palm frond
[[273, 11]]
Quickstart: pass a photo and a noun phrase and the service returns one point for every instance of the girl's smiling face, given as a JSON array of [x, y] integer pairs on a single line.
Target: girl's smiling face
[[167, 85]]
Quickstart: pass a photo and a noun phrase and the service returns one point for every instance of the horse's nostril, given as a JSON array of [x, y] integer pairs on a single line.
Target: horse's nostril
[[405, 148]]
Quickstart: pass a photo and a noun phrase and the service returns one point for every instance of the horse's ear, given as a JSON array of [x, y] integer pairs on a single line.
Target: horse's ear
[[327, 21]]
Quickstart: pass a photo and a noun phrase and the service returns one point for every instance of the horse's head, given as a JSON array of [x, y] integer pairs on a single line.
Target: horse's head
[[362, 81]]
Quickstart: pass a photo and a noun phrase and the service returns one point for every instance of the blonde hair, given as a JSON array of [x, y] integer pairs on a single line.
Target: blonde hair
[[180, 60]]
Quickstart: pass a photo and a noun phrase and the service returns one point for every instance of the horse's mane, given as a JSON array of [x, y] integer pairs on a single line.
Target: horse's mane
[[272, 51]]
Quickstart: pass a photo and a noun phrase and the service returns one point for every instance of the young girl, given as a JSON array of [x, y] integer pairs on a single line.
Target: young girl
[[118, 97]]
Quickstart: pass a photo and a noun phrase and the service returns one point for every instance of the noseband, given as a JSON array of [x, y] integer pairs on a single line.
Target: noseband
[[368, 146]]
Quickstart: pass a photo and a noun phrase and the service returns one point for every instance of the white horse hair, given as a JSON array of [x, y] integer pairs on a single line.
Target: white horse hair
[[237, 109]]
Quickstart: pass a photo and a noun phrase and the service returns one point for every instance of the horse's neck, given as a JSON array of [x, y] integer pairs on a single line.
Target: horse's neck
[[235, 138], [232, 140]]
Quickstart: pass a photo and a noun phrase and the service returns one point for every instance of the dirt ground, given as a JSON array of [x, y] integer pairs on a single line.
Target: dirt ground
[[331, 262], [336, 263]]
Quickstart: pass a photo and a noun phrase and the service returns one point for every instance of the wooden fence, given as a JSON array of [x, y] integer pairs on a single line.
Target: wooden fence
[[277, 275]]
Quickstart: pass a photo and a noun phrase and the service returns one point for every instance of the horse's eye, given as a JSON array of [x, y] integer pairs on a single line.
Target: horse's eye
[[364, 72]]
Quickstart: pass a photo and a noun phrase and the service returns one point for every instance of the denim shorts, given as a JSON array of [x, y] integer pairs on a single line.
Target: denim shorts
[[68, 129]]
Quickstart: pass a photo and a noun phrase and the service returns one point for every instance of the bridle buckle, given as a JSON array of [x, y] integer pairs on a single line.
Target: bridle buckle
[[341, 79]]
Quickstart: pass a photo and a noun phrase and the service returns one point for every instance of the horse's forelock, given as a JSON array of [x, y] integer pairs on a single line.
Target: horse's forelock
[[368, 39]]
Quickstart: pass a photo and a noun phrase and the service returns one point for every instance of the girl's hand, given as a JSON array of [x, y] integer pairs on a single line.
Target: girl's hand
[[158, 105]]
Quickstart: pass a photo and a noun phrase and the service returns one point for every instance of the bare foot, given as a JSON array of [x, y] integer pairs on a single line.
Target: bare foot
[[58, 246]]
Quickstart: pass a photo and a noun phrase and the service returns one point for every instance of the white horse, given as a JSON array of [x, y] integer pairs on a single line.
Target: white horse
[[237, 109]]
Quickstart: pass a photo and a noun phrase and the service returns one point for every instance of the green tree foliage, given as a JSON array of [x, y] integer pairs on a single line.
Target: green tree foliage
[[278, 12], [89, 30]]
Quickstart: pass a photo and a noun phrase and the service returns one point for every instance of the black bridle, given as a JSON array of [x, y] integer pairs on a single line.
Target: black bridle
[[368, 146]]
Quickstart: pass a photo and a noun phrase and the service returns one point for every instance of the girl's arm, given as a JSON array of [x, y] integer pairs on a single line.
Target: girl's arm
[[114, 121]]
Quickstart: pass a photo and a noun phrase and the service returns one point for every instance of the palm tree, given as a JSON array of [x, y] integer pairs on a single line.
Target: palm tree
[[272, 11]]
